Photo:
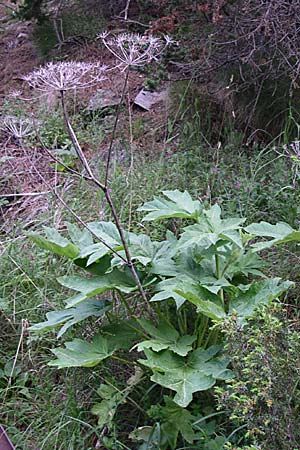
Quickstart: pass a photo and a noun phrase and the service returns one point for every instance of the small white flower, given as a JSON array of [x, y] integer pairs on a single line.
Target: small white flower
[[64, 76]]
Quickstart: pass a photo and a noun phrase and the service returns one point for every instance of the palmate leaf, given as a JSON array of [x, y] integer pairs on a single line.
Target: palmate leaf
[[79, 353], [170, 287], [55, 243], [205, 296], [106, 231], [212, 232], [174, 420], [71, 316], [108, 234], [196, 372], [180, 204], [212, 309], [281, 233], [245, 263], [107, 408], [245, 301], [89, 287], [81, 238], [122, 334], [145, 251], [165, 336]]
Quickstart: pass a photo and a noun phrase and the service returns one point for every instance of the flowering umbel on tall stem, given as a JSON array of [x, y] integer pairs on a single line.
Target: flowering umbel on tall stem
[[65, 76], [133, 49], [61, 77]]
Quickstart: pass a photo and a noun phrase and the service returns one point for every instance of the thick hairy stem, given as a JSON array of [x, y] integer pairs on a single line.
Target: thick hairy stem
[[92, 178]]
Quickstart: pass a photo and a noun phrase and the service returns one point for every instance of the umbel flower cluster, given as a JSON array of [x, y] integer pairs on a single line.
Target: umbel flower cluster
[[133, 49], [65, 76], [17, 127]]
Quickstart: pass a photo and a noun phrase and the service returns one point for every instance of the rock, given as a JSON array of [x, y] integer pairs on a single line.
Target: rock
[[147, 100], [103, 98]]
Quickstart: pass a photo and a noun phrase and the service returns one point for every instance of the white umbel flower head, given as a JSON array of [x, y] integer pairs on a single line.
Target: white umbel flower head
[[65, 76], [17, 127], [133, 49]]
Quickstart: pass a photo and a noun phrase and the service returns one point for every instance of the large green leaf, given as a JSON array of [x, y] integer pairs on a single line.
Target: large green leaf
[[109, 237], [106, 231], [165, 336], [107, 408], [123, 333], [180, 204], [212, 309], [79, 353], [244, 263], [71, 316], [174, 420], [89, 287], [55, 243], [211, 231], [196, 372], [170, 287], [205, 234], [245, 301], [144, 250], [281, 233], [81, 238]]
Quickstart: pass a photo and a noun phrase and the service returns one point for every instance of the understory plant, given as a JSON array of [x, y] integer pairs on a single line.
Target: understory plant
[[206, 272]]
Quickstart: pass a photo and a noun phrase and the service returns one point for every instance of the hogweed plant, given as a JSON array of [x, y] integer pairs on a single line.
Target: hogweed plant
[[210, 272], [175, 293], [133, 49], [65, 76]]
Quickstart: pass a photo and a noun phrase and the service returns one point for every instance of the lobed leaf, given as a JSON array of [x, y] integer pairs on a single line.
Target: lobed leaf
[[79, 353], [89, 287], [71, 316], [197, 372], [246, 300], [281, 233], [165, 336], [179, 205], [55, 243]]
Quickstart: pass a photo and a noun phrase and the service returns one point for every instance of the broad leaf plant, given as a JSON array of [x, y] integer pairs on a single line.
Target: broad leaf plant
[[194, 280]]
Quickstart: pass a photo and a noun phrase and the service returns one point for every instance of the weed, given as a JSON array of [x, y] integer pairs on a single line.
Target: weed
[[264, 394]]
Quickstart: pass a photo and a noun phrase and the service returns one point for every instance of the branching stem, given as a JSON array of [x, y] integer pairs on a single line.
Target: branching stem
[[92, 178]]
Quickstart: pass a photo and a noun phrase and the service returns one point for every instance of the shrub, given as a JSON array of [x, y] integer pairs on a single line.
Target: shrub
[[264, 394]]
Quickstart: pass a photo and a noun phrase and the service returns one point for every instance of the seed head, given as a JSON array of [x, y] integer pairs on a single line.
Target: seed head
[[15, 93], [133, 49], [65, 76], [17, 127]]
